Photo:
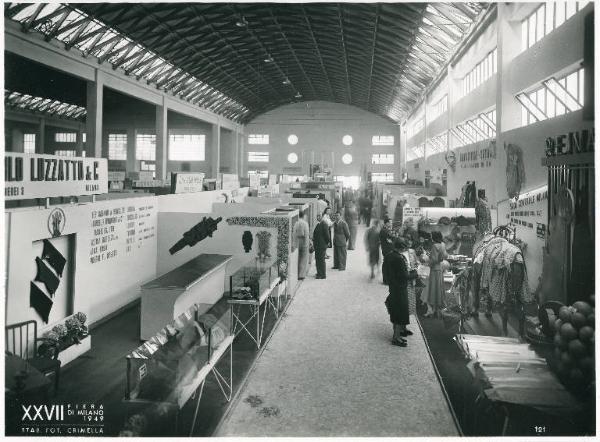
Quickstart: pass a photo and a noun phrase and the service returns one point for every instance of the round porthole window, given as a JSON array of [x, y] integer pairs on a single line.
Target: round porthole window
[[293, 158], [347, 140], [293, 140], [347, 158]]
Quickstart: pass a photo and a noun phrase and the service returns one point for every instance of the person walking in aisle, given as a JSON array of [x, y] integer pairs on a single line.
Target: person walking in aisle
[[351, 215], [386, 242], [372, 246], [321, 240], [341, 235], [367, 209], [433, 294], [396, 267], [301, 236]]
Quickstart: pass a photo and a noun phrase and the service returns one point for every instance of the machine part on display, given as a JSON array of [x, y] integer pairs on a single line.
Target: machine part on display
[[204, 228], [247, 240]]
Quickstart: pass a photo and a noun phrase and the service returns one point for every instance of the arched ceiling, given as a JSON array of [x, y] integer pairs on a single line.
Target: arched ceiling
[[243, 59]]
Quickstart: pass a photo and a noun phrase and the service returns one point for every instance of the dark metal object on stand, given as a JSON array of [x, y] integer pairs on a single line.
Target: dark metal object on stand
[[204, 228]]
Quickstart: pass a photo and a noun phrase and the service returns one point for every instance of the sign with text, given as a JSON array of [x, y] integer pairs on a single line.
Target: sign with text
[[413, 213], [29, 176], [478, 157], [116, 176], [187, 182], [254, 180]]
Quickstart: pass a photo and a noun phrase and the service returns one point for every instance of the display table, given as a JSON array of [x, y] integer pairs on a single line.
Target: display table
[[267, 297], [511, 375], [200, 280]]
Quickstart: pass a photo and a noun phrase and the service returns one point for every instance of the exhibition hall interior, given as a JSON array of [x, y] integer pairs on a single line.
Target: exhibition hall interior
[[299, 219]]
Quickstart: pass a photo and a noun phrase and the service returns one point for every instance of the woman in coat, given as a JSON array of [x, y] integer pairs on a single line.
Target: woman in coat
[[397, 301], [433, 294]]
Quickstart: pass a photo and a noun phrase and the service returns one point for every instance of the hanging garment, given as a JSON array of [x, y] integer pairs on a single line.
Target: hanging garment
[[47, 276], [483, 217], [40, 302], [54, 257]]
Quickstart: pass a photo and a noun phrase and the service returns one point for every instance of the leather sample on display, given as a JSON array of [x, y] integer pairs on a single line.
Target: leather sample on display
[[247, 240], [515, 170], [54, 257], [264, 244], [204, 228], [40, 302], [46, 276]]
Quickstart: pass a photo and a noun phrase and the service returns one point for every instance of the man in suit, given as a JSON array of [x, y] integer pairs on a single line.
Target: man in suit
[[321, 240], [341, 235]]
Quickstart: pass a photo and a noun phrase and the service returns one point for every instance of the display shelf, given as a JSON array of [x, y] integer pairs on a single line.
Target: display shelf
[[251, 281], [265, 298]]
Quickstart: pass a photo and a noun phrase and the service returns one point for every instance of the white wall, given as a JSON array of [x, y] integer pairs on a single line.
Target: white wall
[[320, 127]]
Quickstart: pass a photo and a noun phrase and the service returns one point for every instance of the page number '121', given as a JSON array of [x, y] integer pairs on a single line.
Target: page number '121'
[[539, 430]]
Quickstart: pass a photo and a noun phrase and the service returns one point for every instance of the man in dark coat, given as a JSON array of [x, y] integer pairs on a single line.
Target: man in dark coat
[[387, 242], [321, 240], [396, 267], [341, 235]]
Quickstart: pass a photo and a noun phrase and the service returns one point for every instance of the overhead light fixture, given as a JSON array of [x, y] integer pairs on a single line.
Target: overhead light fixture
[[242, 22], [269, 59], [287, 81], [298, 95]]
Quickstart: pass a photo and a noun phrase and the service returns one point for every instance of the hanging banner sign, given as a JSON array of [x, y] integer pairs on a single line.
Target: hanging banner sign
[[186, 182], [29, 176], [478, 158]]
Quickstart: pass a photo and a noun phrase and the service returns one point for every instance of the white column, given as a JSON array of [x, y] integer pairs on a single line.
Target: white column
[[132, 164], [162, 133], [94, 116], [235, 167], [215, 151]]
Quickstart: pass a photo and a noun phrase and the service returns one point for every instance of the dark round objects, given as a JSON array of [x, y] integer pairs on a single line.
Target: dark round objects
[[586, 333], [591, 320], [557, 353], [565, 314], [568, 332], [576, 375], [578, 319], [560, 342], [583, 307], [567, 359], [558, 324], [577, 349], [586, 364]]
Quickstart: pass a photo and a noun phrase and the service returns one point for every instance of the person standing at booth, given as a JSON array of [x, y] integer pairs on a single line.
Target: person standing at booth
[[321, 240], [341, 235], [301, 236], [386, 242]]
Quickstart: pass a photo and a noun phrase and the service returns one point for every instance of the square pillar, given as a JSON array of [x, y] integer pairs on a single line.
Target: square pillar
[[235, 168], [40, 140], [94, 105], [132, 165], [162, 139], [215, 150], [79, 141]]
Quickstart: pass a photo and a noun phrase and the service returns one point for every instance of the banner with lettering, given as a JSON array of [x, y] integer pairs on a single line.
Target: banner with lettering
[[28, 176]]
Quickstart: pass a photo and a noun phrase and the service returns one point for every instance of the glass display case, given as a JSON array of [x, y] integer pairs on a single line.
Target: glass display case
[[253, 279], [169, 366]]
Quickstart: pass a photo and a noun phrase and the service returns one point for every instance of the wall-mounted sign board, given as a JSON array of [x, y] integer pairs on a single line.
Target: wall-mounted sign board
[[186, 182], [28, 176]]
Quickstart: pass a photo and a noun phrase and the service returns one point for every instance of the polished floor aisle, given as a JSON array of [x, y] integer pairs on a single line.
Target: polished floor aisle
[[330, 369]]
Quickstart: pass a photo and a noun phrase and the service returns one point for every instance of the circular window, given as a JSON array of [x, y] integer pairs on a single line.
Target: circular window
[[347, 158], [347, 140], [293, 139], [293, 158]]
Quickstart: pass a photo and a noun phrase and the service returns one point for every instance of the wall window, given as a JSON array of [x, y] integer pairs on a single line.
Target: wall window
[[382, 140], [292, 158], [29, 143], [264, 174], [480, 73], [415, 152], [382, 177], [293, 139], [437, 144], [417, 126], [65, 153], [145, 147], [439, 108], [546, 18], [186, 147], [555, 97], [65, 137], [347, 140], [347, 158], [479, 128], [258, 157], [117, 146], [258, 139], [382, 158]]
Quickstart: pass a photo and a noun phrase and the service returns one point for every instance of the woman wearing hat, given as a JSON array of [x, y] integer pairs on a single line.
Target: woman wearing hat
[[434, 292], [398, 276]]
